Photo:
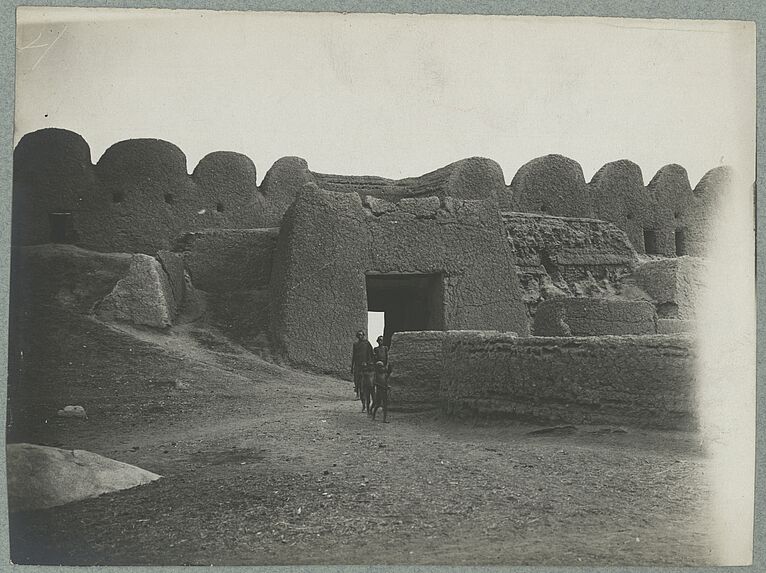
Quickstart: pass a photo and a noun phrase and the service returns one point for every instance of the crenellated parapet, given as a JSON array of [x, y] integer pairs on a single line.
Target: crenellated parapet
[[140, 195], [553, 185]]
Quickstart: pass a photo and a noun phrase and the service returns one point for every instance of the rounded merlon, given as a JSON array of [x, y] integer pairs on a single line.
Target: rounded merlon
[[552, 184]]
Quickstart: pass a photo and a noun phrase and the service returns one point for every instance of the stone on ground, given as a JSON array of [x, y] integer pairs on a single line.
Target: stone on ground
[[41, 477]]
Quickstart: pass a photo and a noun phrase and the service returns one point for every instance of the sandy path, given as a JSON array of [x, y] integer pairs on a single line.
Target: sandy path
[[264, 465]]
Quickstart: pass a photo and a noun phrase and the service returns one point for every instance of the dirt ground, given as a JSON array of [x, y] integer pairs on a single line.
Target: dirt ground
[[267, 465]]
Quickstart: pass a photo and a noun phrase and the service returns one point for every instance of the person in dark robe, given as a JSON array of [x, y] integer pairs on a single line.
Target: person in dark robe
[[361, 354]]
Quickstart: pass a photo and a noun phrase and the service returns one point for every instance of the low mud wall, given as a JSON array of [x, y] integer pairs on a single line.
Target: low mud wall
[[416, 361], [634, 380]]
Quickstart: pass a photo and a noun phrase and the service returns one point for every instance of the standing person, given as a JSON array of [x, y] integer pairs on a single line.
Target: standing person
[[380, 391], [361, 354], [381, 352]]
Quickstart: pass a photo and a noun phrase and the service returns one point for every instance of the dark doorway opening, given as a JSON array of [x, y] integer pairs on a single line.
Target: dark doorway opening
[[62, 228], [650, 242], [409, 301], [680, 242]]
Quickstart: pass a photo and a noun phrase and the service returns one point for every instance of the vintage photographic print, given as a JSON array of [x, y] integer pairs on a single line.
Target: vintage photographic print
[[381, 289]]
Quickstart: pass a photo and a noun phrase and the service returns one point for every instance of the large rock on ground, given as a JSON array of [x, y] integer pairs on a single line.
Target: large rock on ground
[[143, 297], [40, 476]]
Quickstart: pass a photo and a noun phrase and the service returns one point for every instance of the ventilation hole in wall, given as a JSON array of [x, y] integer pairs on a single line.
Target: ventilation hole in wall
[[219, 207], [680, 242], [118, 196], [676, 214], [629, 216], [169, 199], [544, 207]]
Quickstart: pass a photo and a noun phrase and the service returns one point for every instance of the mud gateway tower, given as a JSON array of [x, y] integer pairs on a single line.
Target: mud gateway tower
[[431, 263]]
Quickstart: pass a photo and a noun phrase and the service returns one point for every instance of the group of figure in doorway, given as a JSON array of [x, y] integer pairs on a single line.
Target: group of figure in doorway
[[371, 371]]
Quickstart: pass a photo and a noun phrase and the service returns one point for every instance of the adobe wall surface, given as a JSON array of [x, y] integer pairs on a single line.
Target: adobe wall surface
[[675, 285], [632, 380], [552, 184], [137, 198], [233, 269], [63, 275], [667, 204], [133, 288], [473, 178], [567, 257], [243, 316], [222, 260], [329, 241], [594, 317], [619, 196], [140, 196], [416, 361], [708, 194], [675, 326]]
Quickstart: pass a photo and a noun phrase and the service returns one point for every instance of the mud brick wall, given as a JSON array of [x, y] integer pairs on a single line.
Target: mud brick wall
[[634, 380], [675, 326], [675, 285], [552, 184], [473, 178], [594, 317], [222, 260], [566, 256], [139, 196], [330, 241], [233, 268], [416, 361]]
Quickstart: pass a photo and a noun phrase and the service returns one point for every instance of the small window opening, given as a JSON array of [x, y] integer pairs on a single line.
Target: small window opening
[[629, 216], [680, 242], [650, 242], [544, 207], [118, 196], [219, 207], [169, 199]]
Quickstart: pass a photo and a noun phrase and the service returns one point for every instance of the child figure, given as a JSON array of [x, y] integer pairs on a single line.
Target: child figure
[[366, 387], [381, 390]]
